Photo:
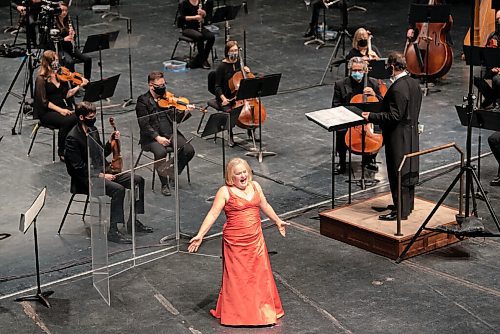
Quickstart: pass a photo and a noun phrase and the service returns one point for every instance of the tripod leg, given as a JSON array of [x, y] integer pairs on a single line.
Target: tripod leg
[[429, 217], [334, 54], [13, 82], [487, 201]]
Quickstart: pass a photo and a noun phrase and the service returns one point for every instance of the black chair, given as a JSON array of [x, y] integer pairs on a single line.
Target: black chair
[[71, 200], [170, 150], [187, 40], [34, 133], [212, 103]]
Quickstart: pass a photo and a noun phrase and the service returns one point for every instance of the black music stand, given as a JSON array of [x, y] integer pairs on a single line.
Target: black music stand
[[225, 14], [99, 90], [377, 69], [28, 219], [250, 88], [374, 107], [334, 119], [218, 122], [427, 14], [100, 42]]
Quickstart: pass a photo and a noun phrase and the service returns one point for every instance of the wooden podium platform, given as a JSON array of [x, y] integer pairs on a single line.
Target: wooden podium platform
[[358, 225]]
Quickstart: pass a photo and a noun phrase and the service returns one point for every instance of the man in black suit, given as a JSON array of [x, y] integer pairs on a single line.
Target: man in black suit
[[157, 128], [399, 123], [76, 157], [343, 92]]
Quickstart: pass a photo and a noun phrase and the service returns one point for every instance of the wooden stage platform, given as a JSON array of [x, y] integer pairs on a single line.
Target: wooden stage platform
[[358, 225]]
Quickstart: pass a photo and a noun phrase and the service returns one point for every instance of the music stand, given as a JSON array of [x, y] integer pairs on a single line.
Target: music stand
[[335, 119], [99, 90], [427, 14], [225, 13], [250, 88], [377, 69], [374, 107], [219, 122], [100, 42], [28, 219]]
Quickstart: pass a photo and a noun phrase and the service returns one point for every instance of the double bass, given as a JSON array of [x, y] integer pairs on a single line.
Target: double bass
[[354, 136], [429, 55], [251, 114]]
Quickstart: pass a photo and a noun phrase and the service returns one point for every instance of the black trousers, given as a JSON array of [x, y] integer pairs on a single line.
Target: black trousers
[[200, 39], [116, 190], [494, 142], [159, 151], [407, 189], [489, 92], [69, 59], [63, 123]]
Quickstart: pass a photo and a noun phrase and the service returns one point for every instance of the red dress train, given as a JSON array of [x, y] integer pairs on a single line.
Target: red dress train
[[248, 296]]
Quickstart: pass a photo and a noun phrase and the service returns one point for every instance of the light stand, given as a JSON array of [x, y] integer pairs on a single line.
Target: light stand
[[341, 36], [130, 100], [468, 225]]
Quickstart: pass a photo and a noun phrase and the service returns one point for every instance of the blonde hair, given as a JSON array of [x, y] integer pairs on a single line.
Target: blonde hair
[[45, 65], [230, 168], [357, 37]]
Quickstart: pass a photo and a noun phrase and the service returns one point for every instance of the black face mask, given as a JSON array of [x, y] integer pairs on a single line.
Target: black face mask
[[363, 43], [160, 90], [89, 122]]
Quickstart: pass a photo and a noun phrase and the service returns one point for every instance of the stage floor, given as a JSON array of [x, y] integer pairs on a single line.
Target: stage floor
[[326, 286]]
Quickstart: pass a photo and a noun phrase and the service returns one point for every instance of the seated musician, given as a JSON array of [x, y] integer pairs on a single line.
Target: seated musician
[[156, 127], [191, 20], [317, 6], [69, 54], [344, 90], [34, 9], [223, 74], [54, 99], [491, 94], [76, 158], [361, 47]]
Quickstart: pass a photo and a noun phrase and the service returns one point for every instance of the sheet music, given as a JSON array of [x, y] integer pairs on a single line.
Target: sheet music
[[335, 118]]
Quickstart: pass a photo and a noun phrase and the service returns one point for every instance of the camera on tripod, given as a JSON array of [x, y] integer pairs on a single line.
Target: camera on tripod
[[50, 8]]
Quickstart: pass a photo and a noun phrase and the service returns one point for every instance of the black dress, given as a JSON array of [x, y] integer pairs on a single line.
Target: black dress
[[223, 74], [45, 92]]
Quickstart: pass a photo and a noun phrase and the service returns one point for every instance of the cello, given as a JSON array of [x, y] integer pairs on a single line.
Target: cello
[[251, 114], [354, 136], [429, 55]]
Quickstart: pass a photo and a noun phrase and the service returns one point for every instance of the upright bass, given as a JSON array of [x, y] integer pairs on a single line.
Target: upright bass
[[428, 54]]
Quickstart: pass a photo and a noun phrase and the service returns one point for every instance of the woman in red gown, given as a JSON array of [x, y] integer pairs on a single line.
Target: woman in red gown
[[248, 296]]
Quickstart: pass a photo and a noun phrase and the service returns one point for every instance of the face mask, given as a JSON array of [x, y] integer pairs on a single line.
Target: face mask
[[363, 43], [233, 56], [55, 66], [160, 90], [358, 76], [89, 122]]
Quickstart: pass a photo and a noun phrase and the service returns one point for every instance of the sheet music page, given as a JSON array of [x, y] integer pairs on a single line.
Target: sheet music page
[[334, 117]]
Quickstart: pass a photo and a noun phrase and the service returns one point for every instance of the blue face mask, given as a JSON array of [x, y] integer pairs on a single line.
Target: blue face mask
[[358, 76]]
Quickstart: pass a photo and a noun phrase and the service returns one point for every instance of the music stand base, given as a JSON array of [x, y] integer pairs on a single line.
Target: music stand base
[[356, 7], [41, 297], [128, 102], [260, 154], [173, 235]]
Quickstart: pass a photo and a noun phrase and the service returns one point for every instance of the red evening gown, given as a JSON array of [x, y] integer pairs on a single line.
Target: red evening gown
[[248, 296]]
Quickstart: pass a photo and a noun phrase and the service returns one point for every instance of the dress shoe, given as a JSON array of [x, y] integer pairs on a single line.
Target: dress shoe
[[393, 215], [206, 65], [139, 227], [372, 167], [495, 182], [339, 170], [309, 32], [165, 190], [117, 237]]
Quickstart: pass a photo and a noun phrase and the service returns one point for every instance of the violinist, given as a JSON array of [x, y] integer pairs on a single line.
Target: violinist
[[156, 126], [191, 20], [77, 155], [343, 92], [491, 94], [54, 98], [361, 46], [68, 52]]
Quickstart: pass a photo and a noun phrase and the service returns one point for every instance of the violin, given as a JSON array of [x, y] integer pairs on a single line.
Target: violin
[[64, 74], [250, 117], [169, 100], [116, 161], [429, 55], [354, 136]]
